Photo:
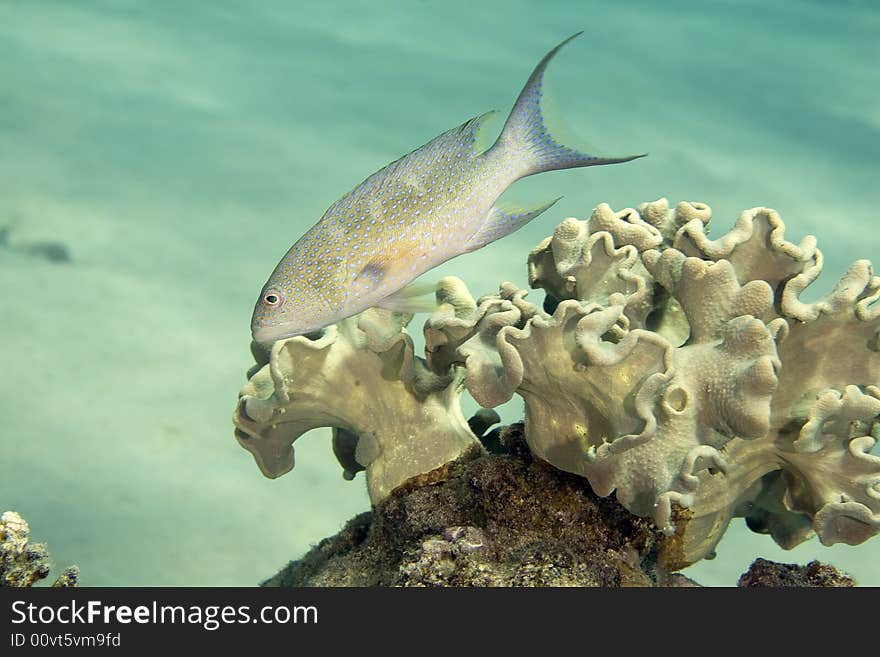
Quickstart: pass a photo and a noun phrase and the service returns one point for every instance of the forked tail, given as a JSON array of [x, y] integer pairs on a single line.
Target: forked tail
[[527, 138]]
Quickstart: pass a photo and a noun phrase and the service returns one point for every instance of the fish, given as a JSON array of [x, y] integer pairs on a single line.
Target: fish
[[427, 207]]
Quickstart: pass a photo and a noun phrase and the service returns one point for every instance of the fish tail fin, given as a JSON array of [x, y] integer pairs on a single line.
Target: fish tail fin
[[527, 138]]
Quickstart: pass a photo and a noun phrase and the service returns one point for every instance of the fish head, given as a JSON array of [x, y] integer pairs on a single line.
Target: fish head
[[288, 307]]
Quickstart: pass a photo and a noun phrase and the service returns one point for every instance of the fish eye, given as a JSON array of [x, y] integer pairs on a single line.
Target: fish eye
[[272, 298]]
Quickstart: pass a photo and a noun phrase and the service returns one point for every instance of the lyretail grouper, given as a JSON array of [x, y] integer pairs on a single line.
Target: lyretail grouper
[[416, 213]]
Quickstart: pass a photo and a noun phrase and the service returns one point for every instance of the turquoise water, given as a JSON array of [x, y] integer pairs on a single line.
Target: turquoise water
[[178, 149]]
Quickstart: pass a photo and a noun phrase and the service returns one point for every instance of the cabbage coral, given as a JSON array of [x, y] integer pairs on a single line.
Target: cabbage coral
[[682, 374]]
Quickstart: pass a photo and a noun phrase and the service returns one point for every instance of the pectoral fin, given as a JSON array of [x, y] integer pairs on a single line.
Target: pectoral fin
[[503, 220], [391, 267]]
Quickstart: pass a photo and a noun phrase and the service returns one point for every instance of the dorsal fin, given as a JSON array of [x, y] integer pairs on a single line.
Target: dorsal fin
[[461, 142]]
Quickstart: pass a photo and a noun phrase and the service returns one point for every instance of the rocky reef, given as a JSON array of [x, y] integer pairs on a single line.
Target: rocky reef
[[683, 374], [508, 519], [23, 563], [503, 519], [763, 573]]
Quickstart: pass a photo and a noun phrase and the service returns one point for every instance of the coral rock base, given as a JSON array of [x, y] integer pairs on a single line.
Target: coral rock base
[[23, 563], [490, 520], [814, 574], [508, 519]]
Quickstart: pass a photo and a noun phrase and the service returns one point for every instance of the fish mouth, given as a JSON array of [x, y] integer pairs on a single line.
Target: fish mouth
[[270, 334], [267, 335]]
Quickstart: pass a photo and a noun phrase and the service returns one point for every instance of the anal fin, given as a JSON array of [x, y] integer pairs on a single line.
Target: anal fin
[[411, 299], [503, 220]]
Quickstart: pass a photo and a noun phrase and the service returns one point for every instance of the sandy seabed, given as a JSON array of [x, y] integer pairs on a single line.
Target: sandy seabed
[[177, 153]]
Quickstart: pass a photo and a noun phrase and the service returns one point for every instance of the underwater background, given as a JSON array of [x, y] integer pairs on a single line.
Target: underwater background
[[158, 158]]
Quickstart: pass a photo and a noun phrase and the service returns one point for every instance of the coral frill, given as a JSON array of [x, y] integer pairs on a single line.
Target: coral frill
[[685, 375]]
